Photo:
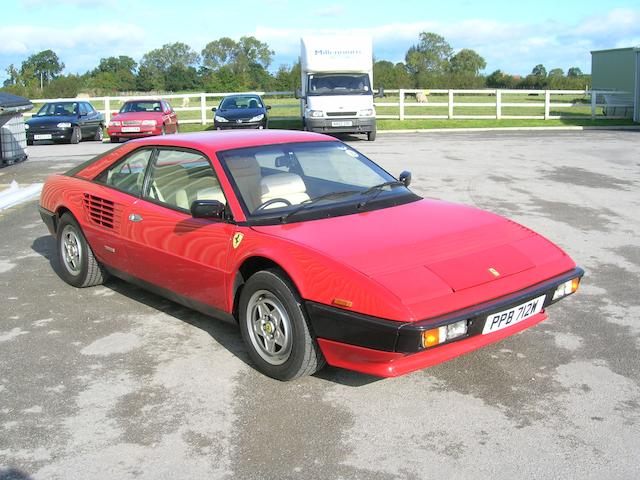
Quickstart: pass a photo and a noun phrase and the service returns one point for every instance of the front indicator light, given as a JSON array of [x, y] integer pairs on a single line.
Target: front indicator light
[[566, 288], [436, 336]]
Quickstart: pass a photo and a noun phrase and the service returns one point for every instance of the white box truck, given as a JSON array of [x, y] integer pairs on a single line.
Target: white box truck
[[337, 85]]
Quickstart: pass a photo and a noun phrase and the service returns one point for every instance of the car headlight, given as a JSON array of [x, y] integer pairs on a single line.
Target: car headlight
[[26, 126], [366, 112], [220, 119], [315, 113], [64, 125], [148, 123], [114, 124], [257, 118]]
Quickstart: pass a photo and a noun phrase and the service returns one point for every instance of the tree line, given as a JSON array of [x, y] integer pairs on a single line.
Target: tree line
[[227, 65]]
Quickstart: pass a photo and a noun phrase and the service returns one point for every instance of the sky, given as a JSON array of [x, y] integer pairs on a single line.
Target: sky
[[512, 36]]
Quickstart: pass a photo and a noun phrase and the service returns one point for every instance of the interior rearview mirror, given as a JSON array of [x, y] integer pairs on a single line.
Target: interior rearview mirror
[[405, 177], [207, 209]]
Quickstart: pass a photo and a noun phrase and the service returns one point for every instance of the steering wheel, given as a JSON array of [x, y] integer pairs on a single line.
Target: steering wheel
[[264, 205]]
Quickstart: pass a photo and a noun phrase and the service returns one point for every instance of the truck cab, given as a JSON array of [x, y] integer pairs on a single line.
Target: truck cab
[[337, 85]]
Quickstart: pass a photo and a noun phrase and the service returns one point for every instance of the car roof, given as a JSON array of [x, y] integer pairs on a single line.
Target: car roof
[[215, 141]]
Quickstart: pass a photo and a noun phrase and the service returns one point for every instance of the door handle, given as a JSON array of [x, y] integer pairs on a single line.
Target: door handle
[[134, 217]]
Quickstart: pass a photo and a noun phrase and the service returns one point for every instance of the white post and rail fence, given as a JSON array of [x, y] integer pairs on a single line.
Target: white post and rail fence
[[411, 104]]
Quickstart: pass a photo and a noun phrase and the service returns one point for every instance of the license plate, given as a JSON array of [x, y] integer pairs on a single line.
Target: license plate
[[42, 136], [506, 318], [130, 129], [343, 123]]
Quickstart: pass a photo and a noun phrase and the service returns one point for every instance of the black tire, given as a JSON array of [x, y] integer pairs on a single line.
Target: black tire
[[114, 139], [99, 135], [29, 142], [164, 130], [371, 136], [78, 267], [299, 355], [76, 135]]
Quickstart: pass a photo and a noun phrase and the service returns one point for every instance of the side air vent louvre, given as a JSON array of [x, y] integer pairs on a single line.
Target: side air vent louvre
[[101, 212]]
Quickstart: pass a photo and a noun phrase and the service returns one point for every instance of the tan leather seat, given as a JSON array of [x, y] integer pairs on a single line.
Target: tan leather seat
[[287, 186], [246, 174], [169, 185]]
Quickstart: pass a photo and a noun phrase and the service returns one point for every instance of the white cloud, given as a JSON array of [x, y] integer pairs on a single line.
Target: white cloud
[[23, 39], [329, 11]]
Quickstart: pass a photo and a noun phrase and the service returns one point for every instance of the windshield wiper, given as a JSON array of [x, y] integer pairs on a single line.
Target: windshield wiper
[[326, 196], [374, 191]]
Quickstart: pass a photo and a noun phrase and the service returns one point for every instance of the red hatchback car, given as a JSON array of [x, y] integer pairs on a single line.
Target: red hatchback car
[[314, 250], [142, 118]]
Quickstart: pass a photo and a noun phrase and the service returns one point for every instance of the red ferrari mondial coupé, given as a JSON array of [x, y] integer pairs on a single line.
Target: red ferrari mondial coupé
[[314, 250]]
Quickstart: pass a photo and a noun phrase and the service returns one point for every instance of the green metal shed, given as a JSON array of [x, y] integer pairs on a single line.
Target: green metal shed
[[618, 70]]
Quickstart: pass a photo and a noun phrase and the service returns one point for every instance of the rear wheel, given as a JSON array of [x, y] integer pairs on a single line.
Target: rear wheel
[[115, 139], [275, 329], [76, 135], [164, 130], [78, 265], [99, 135]]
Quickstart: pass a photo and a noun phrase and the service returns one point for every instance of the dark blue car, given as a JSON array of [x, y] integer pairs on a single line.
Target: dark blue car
[[67, 121], [241, 111]]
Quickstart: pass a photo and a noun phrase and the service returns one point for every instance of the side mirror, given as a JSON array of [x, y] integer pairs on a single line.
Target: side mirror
[[268, 107], [298, 93], [380, 93], [405, 177], [207, 209], [214, 109]]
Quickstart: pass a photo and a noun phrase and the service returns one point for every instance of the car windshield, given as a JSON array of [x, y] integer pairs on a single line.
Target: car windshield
[[296, 181], [58, 109], [339, 84], [141, 106], [231, 103]]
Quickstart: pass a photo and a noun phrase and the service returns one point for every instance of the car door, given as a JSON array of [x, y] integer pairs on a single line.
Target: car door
[[167, 246], [107, 203], [93, 118]]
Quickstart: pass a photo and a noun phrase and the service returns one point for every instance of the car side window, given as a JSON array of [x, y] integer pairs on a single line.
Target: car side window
[[89, 108], [178, 178], [83, 109], [128, 175]]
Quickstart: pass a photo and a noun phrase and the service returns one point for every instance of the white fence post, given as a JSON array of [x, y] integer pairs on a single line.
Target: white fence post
[[547, 102], [107, 110], [401, 93], [450, 114], [594, 100], [498, 104], [203, 109]]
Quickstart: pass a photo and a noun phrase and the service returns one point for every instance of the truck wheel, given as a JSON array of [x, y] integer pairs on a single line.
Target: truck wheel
[[275, 329], [371, 136], [79, 267]]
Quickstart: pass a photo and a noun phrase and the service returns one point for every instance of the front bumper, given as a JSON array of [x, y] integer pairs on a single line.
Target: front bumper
[[358, 125], [144, 132], [234, 124], [51, 134], [386, 348]]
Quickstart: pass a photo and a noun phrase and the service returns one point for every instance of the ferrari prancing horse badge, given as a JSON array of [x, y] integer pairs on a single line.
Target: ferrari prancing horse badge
[[237, 238]]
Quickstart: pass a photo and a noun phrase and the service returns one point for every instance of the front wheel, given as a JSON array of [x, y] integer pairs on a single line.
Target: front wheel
[[79, 266], [371, 136], [275, 329]]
